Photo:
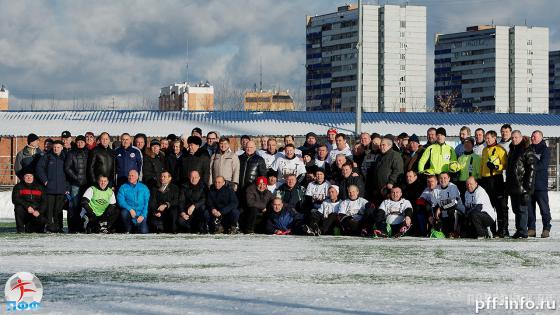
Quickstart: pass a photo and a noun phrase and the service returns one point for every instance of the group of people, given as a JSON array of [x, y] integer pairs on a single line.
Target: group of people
[[381, 186]]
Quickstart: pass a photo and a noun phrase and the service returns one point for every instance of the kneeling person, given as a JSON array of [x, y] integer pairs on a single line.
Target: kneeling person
[[223, 206], [164, 202], [99, 211], [283, 219], [480, 215], [394, 215], [29, 201]]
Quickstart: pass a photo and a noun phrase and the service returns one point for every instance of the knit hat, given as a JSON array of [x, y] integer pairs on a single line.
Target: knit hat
[[469, 139], [172, 137], [197, 130], [194, 140], [332, 131], [441, 131], [262, 179], [336, 188], [154, 142], [310, 134], [66, 134], [414, 138], [80, 138], [32, 137]]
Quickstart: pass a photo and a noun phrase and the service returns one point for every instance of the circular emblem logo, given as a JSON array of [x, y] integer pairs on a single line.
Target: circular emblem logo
[[132, 155], [23, 288]]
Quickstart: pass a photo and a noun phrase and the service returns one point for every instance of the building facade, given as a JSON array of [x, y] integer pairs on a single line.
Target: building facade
[[491, 68], [4, 98], [182, 96], [554, 82], [268, 101], [393, 66]]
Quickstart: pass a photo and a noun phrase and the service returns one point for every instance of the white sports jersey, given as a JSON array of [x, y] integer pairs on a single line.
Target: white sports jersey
[[273, 188], [269, 159], [328, 207], [431, 196], [479, 197], [320, 164], [394, 210], [297, 152], [450, 197], [335, 151], [317, 192], [353, 208], [286, 166]]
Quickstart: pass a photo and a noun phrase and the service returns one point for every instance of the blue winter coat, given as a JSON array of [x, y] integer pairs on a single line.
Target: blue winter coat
[[126, 160], [50, 170], [135, 197], [541, 167], [282, 220]]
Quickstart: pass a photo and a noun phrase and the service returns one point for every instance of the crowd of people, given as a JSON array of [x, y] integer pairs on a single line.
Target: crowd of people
[[381, 186]]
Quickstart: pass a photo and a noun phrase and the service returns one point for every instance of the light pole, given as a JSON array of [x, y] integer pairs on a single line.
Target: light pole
[[359, 91]]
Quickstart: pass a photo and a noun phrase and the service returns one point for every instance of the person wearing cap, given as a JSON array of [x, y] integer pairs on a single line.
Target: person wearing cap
[[66, 138], [197, 159], [331, 138], [493, 164], [29, 201], [438, 155], [310, 144], [225, 163], [257, 199], [223, 205], [273, 183], [101, 161], [464, 133], [90, 141], [341, 147], [165, 200], [50, 172], [127, 158], [75, 167], [153, 165], [27, 158], [412, 154], [469, 165]]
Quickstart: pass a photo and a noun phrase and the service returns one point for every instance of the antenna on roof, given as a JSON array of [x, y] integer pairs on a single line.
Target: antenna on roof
[[260, 70], [187, 62]]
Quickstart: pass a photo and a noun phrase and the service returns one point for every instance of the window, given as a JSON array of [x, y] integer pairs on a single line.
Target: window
[[529, 61], [403, 100], [403, 56], [529, 42], [403, 67], [403, 89], [403, 24]]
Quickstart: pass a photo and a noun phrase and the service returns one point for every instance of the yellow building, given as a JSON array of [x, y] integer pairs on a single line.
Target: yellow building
[[268, 101], [182, 96], [4, 94]]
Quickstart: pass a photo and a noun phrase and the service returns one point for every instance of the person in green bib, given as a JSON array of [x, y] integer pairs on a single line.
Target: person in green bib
[[468, 165], [99, 210]]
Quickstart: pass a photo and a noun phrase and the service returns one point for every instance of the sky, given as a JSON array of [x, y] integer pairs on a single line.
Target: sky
[[118, 54]]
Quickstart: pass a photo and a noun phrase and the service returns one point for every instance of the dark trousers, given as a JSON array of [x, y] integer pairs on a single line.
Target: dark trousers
[[110, 217], [55, 203], [74, 209], [539, 197], [129, 226], [447, 219], [197, 222], [27, 223], [520, 205], [476, 224], [228, 220], [326, 225], [167, 222], [251, 216], [494, 186]]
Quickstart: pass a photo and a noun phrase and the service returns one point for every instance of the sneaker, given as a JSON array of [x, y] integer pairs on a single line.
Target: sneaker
[[316, 229], [454, 235], [532, 233], [545, 234], [85, 221], [234, 230], [402, 231], [307, 230], [218, 228], [364, 233], [517, 235], [379, 233]]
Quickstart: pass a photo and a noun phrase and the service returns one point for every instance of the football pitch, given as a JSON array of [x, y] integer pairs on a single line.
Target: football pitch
[[258, 274]]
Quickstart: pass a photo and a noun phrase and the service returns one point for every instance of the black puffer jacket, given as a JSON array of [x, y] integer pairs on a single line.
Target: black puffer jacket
[[75, 166], [199, 161], [101, 161], [521, 169], [152, 167], [250, 168]]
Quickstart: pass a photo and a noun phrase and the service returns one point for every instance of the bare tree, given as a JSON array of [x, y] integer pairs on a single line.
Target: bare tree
[[446, 102]]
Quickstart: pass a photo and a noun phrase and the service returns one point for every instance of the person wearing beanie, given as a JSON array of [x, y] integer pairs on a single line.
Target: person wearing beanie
[[412, 154], [331, 138], [196, 159], [273, 184], [438, 156], [154, 164], [258, 198], [66, 138], [27, 158], [310, 144], [75, 167], [28, 198]]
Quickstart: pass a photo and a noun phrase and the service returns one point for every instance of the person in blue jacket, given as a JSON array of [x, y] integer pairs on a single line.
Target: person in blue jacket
[[224, 207], [540, 195], [127, 158], [283, 219], [133, 198]]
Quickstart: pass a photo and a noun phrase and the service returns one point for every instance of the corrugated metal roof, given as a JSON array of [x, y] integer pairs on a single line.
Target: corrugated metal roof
[[158, 123]]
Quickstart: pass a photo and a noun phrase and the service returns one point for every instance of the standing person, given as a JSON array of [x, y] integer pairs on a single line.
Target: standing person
[[99, 207], [479, 143], [438, 155], [505, 132], [270, 153], [127, 158], [133, 199], [90, 141], [211, 144], [540, 196], [193, 216], [385, 173], [479, 212], [50, 172], [27, 158], [101, 161], [225, 163], [342, 147], [164, 205], [520, 181], [47, 145], [196, 159], [223, 206], [67, 143], [244, 140], [310, 144], [361, 149], [257, 197], [251, 166], [289, 164], [348, 179], [494, 162], [464, 133], [289, 139], [331, 139], [412, 154], [164, 145], [174, 161], [30, 204], [431, 136], [140, 142], [153, 165], [264, 144], [75, 167], [469, 165]]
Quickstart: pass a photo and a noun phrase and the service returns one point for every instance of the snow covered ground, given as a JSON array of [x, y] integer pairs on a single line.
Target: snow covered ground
[[189, 274]]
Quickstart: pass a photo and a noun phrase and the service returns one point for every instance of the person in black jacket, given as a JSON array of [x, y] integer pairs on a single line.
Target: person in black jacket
[[384, 173], [520, 180], [348, 179], [174, 161], [50, 172], [251, 166], [75, 167], [29, 199], [101, 161], [193, 216], [164, 203], [197, 159], [153, 166], [540, 196], [27, 158], [223, 206], [257, 198]]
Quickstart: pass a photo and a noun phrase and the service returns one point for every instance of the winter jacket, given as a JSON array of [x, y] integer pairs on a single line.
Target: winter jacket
[[152, 167], [494, 152], [344, 183], [282, 220], [75, 166], [226, 165], [257, 199], [541, 170], [521, 166], [388, 169], [292, 197], [250, 167], [126, 160], [438, 156], [29, 195], [411, 160], [174, 164], [134, 197], [469, 164], [199, 161], [193, 195], [101, 161], [412, 192], [224, 199], [26, 160], [50, 172], [171, 196]]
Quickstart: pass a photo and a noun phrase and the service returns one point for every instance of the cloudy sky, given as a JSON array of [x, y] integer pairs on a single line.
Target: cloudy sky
[[82, 53]]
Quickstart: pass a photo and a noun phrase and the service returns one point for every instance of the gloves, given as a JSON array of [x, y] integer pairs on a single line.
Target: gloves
[[525, 199], [491, 165]]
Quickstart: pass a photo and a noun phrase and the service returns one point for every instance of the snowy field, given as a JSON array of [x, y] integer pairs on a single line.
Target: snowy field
[[189, 274]]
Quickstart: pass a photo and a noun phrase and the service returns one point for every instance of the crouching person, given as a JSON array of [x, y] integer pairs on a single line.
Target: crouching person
[[193, 216], [394, 216], [29, 202], [99, 207], [283, 219], [133, 199], [257, 199], [351, 212], [223, 205], [449, 207], [480, 215], [164, 202], [324, 218]]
